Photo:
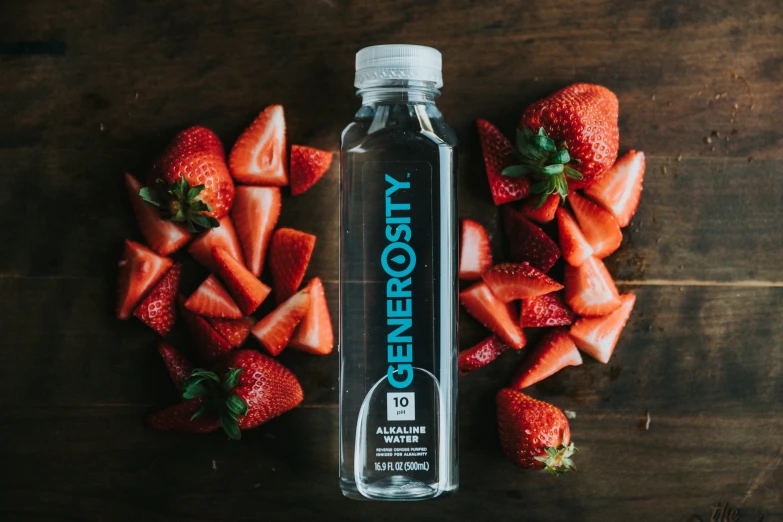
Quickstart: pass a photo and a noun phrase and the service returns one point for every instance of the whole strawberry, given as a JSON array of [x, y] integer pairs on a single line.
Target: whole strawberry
[[534, 434], [190, 182], [568, 139]]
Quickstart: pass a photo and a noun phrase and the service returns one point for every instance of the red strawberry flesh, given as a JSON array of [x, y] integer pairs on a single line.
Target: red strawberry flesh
[[255, 214], [590, 290], [481, 303], [499, 154], [259, 154], [619, 189], [140, 270], [314, 334], [553, 353], [308, 165], [289, 255], [248, 292], [475, 255], [512, 281], [598, 336], [158, 310], [527, 242], [275, 330], [211, 299], [480, 355]]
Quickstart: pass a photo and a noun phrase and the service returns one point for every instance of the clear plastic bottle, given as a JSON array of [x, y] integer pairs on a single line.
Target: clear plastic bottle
[[398, 282]]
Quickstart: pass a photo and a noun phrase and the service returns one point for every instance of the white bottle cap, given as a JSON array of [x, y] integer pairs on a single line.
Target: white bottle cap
[[398, 62]]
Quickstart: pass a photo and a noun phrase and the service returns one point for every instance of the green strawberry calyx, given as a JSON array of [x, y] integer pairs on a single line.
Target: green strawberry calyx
[[558, 460], [545, 161], [180, 202], [219, 398]]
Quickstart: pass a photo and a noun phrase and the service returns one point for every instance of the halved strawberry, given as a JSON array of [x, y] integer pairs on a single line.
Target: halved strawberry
[[481, 303], [308, 165], [546, 310], [475, 255], [499, 154], [534, 210], [178, 367], [235, 331], [480, 355], [275, 330], [314, 334], [248, 292], [590, 290], [289, 255], [223, 236], [527, 242], [555, 351], [211, 299], [255, 214], [140, 270], [598, 225], [620, 187], [258, 156], [209, 344], [597, 336], [576, 250], [512, 281], [158, 310], [164, 237]]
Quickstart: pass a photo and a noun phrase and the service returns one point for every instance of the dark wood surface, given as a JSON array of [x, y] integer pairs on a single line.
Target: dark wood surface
[[89, 92]]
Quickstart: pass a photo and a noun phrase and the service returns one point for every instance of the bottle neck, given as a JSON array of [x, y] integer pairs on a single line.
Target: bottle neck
[[398, 91]]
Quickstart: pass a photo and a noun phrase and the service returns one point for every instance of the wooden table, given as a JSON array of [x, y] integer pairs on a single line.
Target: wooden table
[[92, 91]]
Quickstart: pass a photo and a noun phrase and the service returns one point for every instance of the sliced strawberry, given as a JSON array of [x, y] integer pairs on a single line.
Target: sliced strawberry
[[481, 303], [480, 355], [314, 334], [499, 154], [140, 270], [258, 156], [597, 336], [289, 255], [576, 250], [178, 367], [209, 344], [598, 225], [248, 292], [527, 242], [275, 330], [512, 281], [255, 214], [158, 309], [235, 331], [308, 165], [164, 237], [211, 299], [620, 187], [475, 255], [555, 351], [590, 290], [224, 236], [540, 213], [546, 310], [181, 418]]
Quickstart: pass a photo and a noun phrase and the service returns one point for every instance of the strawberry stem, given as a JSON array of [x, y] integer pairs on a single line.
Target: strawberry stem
[[179, 202], [219, 398], [558, 460]]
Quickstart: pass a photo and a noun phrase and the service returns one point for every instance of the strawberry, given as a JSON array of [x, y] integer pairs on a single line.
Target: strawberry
[[140, 270], [157, 310], [235, 331], [275, 330], [308, 165], [599, 227], [597, 336], [255, 213], [481, 303], [223, 236], [314, 334], [258, 156], [511, 281], [589, 289], [178, 367], [540, 209], [209, 344], [533, 433], [475, 255], [182, 418], [480, 355], [190, 182], [248, 292], [499, 154], [289, 255], [211, 299], [527, 242], [546, 310], [164, 237], [576, 250], [568, 139], [555, 351], [620, 188]]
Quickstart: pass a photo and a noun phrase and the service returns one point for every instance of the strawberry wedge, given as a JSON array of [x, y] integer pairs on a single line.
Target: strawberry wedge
[[289, 255], [512, 281], [533, 209], [527, 242], [248, 292], [178, 367], [209, 344], [211, 299], [598, 336], [499, 154], [482, 354], [475, 255], [314, 334], [308, 165], [258, 156], [599, 227], [275, 330], [164, 237], [619, 189], [235, 331], [481, 303], [590, 290], [140, 270], [224, 236], [555, 351], [546, 310], [255, 214], [576, 250], [159, 309]]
